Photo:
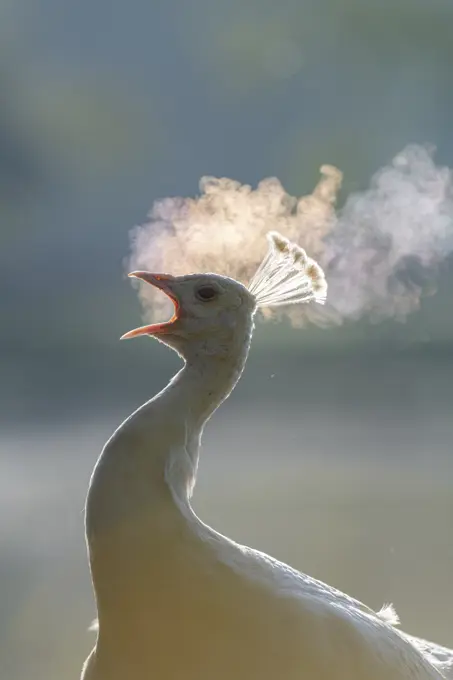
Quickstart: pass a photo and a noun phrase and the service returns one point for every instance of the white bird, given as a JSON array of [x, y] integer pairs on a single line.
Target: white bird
[[175, 599]]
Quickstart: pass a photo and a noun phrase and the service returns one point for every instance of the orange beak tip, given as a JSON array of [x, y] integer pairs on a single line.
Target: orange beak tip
[[142, 330], [130, 334]]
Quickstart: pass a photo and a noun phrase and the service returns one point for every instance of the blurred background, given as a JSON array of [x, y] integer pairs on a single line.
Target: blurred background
[[335, 451]]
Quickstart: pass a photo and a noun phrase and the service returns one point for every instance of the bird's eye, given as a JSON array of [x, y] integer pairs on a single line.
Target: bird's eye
[[206, 293]]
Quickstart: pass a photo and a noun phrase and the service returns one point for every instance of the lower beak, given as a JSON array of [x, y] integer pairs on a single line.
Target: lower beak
[[163, 282]]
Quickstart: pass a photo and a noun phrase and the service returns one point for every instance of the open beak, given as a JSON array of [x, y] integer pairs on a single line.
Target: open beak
[[163, 282]]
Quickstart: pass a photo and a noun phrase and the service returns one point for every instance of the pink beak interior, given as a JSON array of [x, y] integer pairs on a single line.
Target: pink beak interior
[[163, 282]]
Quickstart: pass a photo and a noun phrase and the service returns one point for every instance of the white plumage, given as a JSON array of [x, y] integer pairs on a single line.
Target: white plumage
[[178, 601]]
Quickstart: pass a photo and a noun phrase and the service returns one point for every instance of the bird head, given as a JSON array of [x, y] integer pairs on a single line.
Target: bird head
[[214, 314], [210, 312]]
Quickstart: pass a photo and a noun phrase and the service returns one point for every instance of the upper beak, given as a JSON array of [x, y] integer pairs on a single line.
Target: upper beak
[[164, 283]]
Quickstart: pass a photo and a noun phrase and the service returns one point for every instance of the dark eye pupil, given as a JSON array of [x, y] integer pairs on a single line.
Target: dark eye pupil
[[206, 293]]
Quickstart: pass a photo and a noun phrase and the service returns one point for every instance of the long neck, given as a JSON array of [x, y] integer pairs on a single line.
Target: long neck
[[194, 394], [138, 514], [204, 383]]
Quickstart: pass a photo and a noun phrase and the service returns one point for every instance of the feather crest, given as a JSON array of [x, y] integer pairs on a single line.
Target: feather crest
[[287, 275]]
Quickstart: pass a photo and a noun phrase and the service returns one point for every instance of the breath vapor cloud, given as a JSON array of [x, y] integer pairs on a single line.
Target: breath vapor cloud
[[379, 252]]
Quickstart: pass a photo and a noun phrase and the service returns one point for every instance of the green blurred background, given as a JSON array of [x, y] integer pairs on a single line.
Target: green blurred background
[[335, 452]]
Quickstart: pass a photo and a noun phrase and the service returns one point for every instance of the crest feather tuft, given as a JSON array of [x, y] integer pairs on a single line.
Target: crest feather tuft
[[287, 276]]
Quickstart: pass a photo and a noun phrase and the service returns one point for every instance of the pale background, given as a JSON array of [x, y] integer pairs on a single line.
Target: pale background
[[335, 452]]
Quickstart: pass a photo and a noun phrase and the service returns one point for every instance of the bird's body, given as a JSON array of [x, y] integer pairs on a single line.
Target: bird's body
[[178, 601]]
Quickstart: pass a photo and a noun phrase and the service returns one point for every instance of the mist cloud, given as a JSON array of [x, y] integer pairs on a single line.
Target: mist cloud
[[380, 251]]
